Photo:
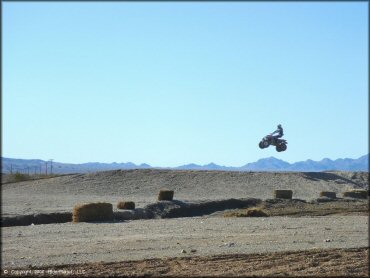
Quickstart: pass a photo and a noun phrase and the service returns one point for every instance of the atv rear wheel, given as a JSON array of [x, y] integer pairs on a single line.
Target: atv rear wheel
[[281, 147]]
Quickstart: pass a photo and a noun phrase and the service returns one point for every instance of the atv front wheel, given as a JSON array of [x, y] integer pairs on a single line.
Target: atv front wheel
[[261, 145]]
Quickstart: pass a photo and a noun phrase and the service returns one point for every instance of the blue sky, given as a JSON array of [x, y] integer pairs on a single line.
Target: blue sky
[[174, 83]]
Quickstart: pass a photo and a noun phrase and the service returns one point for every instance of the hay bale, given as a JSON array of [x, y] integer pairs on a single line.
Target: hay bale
[[165, 195], [93, 212], [356, 193], [283, 194], [328, 194], [126, 205]]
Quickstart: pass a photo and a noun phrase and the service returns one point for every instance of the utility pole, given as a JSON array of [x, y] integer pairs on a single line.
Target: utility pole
[[51, 166], [11, 168], [28, 170], [40, 169], [46, 168]]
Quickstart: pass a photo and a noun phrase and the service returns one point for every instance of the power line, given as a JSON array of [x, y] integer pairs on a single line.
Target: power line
[[51, 166]]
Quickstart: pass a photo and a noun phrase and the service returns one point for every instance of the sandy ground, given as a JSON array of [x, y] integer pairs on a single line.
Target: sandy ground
[[61, 194], [68, 243], [352, 262]]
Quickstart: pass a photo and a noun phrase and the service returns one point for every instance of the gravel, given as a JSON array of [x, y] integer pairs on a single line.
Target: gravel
[[68, 243]]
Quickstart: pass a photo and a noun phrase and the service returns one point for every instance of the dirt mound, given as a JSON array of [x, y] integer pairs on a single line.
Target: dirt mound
[[142, 187], [301, 208], [173, 209]]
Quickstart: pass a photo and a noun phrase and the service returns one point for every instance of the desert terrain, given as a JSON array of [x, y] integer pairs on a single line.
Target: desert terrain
[[303, 236], [62, 193]]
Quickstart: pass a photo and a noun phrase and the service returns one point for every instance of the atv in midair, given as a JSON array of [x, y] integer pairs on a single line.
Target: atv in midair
[[280, 144]]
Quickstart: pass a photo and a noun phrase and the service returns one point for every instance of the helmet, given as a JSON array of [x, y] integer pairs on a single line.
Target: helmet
[[279, 126]]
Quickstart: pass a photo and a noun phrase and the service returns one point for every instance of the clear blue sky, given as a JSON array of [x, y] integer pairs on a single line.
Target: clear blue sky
[[174, 83]]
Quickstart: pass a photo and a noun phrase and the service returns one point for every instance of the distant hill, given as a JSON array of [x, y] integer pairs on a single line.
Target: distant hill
[[274, 164], [39, 166], [326, 164], [265, 164]]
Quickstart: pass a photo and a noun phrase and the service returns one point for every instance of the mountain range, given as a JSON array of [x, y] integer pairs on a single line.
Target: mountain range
[[33, 166]]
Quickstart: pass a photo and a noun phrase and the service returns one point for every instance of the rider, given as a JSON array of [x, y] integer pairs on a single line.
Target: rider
[[279, 132]]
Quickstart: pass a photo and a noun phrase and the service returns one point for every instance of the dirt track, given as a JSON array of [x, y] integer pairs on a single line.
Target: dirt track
[[316, 263], [193, 246], [68, 243]]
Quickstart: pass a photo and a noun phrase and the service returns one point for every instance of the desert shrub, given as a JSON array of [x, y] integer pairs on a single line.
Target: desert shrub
[[18, 177], [256, 212], [126, 205], [238, 213], [21, 177], [356, 193], [250, 212], [165, 194], [283, 194], [93, 212], [328, 194]]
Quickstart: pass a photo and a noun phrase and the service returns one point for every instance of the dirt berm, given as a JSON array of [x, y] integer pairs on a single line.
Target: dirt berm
[[176, 208], [162, 209]]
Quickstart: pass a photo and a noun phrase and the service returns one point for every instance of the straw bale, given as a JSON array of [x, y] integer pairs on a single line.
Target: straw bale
[[283, 194], [126, 205], [356, 193], [93, 212], [165, 194]]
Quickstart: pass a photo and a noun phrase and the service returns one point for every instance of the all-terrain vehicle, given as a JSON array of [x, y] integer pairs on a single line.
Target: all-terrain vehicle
[[280, 144]]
